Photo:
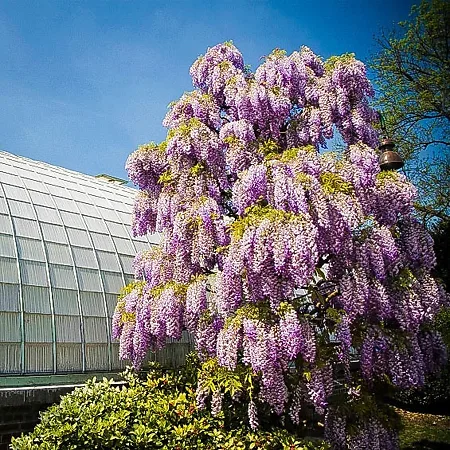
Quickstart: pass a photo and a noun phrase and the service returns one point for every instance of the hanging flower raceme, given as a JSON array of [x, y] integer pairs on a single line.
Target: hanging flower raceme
[[146, 165], [211, 71], [193, 105], [192, 145], [144, 214], [393, 198], [280, 260]]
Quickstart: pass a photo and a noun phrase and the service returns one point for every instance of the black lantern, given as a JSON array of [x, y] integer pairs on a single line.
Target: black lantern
[[389, 160]]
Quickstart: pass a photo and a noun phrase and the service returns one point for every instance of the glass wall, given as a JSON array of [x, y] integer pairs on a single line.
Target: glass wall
[[65, 251]]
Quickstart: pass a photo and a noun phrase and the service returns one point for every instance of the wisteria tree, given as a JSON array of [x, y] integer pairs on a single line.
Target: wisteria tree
[[283, 259]]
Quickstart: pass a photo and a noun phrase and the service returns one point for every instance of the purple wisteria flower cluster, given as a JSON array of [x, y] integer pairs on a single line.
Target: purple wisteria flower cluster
[[281, 259]]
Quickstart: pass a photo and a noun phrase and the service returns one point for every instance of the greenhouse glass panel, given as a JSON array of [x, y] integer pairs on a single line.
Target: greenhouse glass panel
[[113, 282], [97, 357], [36, 299], [30, 249], [9, 327], [26, 227], [125, 207], [73, 182], [41, 198], [62, 276], [88, 186], [58, 253], [26, 164], [110, 194], [72, 219], [31, 184], [78, 237], [117, 229], [54, 233], [3, 205], [23, 171], [9, 178], [84, 257], [125, 217], [89, 280], [95, 330], [69, 357], [7, 246], [102, 241], [127, 263], [92, 304], [5, 224], [117, 364], [67, 328], [154, 239], [103, 203], [46, 214], [108, 261], [64, 204], [33, 272], [9, 358], [57, 190], [38, 328], [65, 302], [141, 246], [129, 230], [49, 176], [15, 192], [111, 301], [124, 246], [95, 224], [9, 297], [109, 214], [21, 209], [78, 195], [38, 358], [8, 270], [87, 209]]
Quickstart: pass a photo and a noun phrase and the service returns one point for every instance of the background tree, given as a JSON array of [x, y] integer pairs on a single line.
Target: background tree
[[281, 259], [413, 78]]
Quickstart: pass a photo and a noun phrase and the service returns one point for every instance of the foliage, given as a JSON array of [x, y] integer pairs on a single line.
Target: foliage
[[413, 76], [283, 260], [154, 412]]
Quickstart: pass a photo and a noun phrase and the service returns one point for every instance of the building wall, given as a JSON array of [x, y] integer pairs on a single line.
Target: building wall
[[14, 422]]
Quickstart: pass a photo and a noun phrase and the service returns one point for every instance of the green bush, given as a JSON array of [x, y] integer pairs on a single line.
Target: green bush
[[156, 411]]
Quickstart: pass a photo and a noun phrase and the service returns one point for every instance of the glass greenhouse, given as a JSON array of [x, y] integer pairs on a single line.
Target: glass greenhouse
[[66, 249]]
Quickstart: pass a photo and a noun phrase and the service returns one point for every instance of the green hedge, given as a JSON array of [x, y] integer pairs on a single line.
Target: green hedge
[[157, 412]]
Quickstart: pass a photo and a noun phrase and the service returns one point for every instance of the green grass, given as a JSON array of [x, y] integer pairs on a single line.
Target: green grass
[[424, 431]]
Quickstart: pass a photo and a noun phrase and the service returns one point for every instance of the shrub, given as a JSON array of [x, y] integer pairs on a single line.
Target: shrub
[[156, 411]]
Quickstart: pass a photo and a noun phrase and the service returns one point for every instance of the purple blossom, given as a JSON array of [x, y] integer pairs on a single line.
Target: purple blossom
[[253, 416]]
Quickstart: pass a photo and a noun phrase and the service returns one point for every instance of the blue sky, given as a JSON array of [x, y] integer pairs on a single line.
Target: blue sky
[[83, 83]]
